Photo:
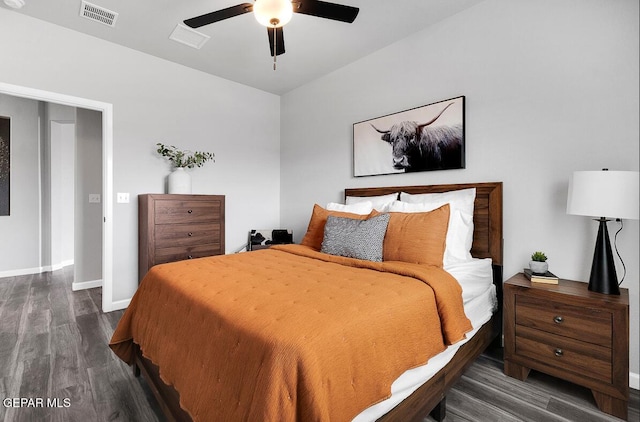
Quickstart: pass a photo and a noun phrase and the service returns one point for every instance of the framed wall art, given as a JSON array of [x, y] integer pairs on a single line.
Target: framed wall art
[[5, 164], [425, 138]]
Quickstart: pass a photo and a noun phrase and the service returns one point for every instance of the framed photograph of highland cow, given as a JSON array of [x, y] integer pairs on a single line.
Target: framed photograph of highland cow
[[5, 164], [425, 138]]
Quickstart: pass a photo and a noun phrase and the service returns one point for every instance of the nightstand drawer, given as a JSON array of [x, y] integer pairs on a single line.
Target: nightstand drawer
[[585, 359], [172, 212], [169, 235], [580, 323]]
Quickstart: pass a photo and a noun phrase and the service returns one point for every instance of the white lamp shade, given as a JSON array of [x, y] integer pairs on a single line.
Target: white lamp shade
[[269, 11], [611, 194]]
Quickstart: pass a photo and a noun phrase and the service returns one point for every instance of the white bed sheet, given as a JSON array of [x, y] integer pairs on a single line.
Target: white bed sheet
[[479, 297]]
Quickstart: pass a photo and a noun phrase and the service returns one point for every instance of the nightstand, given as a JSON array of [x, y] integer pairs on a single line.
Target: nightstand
[[569, 332]]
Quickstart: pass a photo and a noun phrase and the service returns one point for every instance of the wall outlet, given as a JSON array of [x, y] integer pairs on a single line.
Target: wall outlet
[[94, 198], [122, 198]]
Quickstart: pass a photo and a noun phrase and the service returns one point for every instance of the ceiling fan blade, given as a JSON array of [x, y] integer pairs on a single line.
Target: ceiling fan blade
[[219, 15], [323, 9], [279, 40]]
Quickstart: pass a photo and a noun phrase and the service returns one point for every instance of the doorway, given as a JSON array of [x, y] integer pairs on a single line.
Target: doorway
[[106, 210]]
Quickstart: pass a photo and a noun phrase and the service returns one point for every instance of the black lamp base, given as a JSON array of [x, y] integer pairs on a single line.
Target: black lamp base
[[603, 270]]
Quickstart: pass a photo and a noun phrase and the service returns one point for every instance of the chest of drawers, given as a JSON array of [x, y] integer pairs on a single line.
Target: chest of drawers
[[568, 332], [177, 227]]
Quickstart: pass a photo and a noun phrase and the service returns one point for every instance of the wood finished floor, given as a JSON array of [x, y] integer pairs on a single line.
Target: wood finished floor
[[53, 344]]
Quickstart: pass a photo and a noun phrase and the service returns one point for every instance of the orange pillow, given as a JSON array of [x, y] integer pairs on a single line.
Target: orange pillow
[[315, 231], [417, 237]]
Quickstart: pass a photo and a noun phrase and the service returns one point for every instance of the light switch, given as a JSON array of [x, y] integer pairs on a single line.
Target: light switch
[[94, 198], [122, 197]]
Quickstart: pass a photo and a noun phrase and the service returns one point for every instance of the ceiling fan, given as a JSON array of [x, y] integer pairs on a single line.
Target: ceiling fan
[[274, 14]]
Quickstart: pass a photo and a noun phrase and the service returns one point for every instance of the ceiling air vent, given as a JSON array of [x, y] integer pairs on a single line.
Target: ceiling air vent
[[187, 36], [98, 14]]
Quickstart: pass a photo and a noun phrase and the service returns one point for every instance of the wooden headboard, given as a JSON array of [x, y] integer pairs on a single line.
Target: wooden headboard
[[487, 215]]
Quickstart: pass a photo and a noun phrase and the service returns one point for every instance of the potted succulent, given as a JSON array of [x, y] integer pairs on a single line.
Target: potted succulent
[[538, 263], [179, 181]]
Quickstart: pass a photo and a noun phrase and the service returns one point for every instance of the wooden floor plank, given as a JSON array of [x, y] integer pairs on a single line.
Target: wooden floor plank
[[467, 407], [576, 413], [61, 312], [93, 341], [35, 385], [114, 397], [491, 371], [520, 407], [68, 362], [83, 304], [4, 393]]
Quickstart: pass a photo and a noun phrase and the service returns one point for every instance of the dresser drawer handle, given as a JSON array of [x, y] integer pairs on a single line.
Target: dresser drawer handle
[[189, 234], [558, 353], [558, 319], [190, 211]]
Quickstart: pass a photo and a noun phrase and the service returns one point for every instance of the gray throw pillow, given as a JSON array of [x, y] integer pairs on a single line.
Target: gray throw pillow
[[361, 239]]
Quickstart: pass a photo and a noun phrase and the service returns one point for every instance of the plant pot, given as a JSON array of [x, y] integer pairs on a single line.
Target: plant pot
[[179, 181], [538, 267]]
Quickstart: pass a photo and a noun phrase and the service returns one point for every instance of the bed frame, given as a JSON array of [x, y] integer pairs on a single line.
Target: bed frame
[[430, 397]]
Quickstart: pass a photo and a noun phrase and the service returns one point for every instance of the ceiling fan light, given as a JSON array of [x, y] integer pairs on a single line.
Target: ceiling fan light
[[273, 13]]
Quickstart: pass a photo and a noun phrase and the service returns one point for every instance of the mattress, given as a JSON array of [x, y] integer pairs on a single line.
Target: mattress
[[479, 297]]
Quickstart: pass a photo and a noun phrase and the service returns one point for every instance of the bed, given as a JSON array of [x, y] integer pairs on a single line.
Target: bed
[[309, 385]]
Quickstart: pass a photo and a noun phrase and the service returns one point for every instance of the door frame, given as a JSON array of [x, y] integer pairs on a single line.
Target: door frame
[[107, 172]]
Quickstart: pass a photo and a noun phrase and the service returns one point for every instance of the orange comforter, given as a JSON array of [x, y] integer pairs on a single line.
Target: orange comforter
[[288, 334]]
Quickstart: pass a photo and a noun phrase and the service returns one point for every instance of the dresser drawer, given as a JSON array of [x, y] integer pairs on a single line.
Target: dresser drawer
[[175, 212], [170, 235], [579, 323], [582, 358], [179, 253]]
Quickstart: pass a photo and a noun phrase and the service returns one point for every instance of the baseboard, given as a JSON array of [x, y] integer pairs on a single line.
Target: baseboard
[[36, 270], [120, 304], [83, 285], [634, 381], [24, 271]]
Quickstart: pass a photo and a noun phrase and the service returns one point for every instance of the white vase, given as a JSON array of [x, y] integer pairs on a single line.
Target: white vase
[[538, 267], [179, 181]]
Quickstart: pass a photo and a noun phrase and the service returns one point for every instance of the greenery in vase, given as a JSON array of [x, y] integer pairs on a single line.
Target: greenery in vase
[[185, 158], [539, 257]]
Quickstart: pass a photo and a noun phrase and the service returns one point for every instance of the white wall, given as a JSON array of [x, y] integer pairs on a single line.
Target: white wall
[[551, 87], [88, 180], [20, 231], [62, 185], [157, 101], [58, 184]]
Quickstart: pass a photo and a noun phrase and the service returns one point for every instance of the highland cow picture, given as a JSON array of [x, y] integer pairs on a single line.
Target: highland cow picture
[[5, 164], [426, 138]]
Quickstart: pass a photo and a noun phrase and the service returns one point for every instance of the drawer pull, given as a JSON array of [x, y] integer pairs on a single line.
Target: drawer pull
[[558, 353], [190, 211], [558, 319], [190, 256], [189, 234]]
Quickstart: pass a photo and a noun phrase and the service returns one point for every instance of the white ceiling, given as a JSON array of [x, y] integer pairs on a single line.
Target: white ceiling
[[239, 49]]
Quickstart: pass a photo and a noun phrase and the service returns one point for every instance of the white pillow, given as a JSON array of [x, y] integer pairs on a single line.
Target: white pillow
[[460, 233], [380, 203], [360, 208]]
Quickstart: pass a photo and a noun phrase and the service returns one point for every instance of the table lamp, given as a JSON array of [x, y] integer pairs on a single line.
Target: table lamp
[[607, 195]]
